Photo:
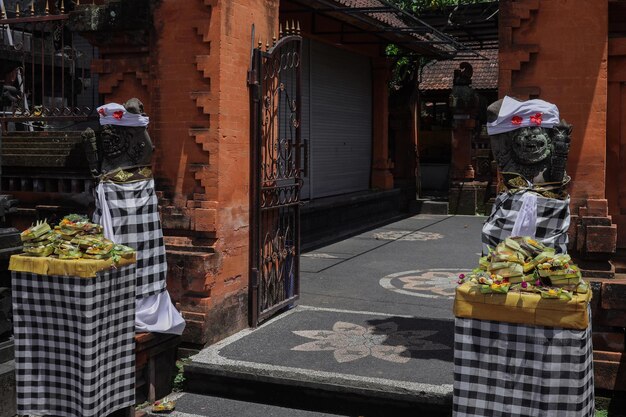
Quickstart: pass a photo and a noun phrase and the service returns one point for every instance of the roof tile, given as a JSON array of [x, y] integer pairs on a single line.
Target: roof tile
[[439, 74]]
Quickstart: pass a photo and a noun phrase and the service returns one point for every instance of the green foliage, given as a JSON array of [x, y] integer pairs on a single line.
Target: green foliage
[[407, 65], [404, 67], [179, 379]]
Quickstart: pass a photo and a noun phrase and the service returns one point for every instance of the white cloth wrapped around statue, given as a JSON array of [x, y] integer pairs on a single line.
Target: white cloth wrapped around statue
[[527, 214], [127, 208]]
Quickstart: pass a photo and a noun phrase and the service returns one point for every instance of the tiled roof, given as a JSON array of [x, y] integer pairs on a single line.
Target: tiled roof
[[387, 18], [438, 75], [396, 19], [387, 24]]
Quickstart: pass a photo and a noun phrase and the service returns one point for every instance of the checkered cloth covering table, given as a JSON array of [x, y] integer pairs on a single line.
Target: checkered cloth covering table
[[553, 220], [74, 343], [515, 370], [135, 215]]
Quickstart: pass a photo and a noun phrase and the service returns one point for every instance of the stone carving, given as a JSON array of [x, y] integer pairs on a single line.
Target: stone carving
[[118, 147], [538, 153], [463, 98]]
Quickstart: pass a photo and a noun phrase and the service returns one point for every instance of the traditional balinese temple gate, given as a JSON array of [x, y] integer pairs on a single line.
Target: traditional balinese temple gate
[[275, 176]]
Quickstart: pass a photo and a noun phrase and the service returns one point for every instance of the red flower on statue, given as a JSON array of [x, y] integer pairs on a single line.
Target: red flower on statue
[[118, 114], [516, 120], [536, 119]]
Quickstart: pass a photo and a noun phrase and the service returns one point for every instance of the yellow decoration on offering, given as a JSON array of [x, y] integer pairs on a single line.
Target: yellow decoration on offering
[[83, 268], [522, 307]]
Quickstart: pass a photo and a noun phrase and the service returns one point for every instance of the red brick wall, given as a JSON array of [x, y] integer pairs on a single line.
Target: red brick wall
[[201, 111], [560, 49], [616, 136], [192, 80]]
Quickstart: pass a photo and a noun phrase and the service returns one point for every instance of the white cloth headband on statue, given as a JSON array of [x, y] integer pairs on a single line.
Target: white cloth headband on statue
[[116, 114], [516, 114]]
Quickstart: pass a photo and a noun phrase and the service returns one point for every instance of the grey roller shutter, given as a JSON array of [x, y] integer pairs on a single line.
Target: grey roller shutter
[[340, 120]]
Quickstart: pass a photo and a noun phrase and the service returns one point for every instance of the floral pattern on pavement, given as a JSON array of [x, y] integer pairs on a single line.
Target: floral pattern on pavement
[[407, 235], [349, 342], [437, 282], [429, 283]]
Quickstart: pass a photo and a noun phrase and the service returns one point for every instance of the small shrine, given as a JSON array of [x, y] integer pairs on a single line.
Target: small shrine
[[523, 315]]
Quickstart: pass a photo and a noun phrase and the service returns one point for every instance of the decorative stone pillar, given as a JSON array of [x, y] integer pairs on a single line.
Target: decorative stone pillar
[[462, 134], [382, 178], [146, 52], [465, 105]]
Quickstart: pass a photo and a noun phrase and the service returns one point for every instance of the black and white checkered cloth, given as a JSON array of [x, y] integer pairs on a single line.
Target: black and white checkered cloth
[[74, 343], [136, 223], [515, 370], [553, 220]]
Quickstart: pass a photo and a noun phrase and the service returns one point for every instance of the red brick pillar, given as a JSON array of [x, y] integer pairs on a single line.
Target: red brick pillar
[[189, 67], [568, 67], [462, 134], [382, 178]]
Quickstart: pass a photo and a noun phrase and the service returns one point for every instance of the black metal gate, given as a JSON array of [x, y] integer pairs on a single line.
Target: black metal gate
[[275, 176]]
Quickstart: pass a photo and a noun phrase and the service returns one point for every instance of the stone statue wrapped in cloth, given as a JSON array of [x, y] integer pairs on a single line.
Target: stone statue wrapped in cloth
[[119, 156], [530, 145]]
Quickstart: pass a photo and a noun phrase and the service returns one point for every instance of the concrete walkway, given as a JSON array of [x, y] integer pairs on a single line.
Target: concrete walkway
[[373, 330]]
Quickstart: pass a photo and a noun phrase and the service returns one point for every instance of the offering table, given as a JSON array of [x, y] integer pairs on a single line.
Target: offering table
[[74, 327], [518, 354]]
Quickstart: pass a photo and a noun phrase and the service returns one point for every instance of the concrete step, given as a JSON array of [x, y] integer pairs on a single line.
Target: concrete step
[[329, 219], [195, 405], [428, 206], [261, 365], [289, 393]]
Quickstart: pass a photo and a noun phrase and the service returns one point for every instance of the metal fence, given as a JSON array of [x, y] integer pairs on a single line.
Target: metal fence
[[45, 69]]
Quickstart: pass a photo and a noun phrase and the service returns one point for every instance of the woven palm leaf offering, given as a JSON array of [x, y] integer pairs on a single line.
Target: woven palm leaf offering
[[524, 264], [68, 251], [74, 225], [38, 240], [99, 250], [74, 238], [123, 251], [39, 229]]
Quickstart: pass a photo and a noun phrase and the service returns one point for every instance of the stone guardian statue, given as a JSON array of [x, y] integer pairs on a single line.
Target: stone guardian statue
[[119, 156], [530, 144]]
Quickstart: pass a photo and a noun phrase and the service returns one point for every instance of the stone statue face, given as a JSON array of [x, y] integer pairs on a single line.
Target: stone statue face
[[531, 145]]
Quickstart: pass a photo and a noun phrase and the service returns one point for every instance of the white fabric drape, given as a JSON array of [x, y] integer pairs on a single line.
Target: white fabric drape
[[156, 313], [105, 221], [526, 221]]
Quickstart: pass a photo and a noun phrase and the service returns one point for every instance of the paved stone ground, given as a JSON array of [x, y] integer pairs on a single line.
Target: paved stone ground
[[374, 322], [409, 267]]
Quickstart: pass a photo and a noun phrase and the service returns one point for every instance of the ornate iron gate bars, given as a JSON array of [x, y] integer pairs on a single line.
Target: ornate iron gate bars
[[47, 71], [275, 177]]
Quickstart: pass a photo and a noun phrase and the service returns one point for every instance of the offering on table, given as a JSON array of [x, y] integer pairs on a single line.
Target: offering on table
[[99, 250], [559, 271], [123, 251], [37, 230], [43, 250], [74, 238], [68, 251], [524, 264], [76, 225]]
